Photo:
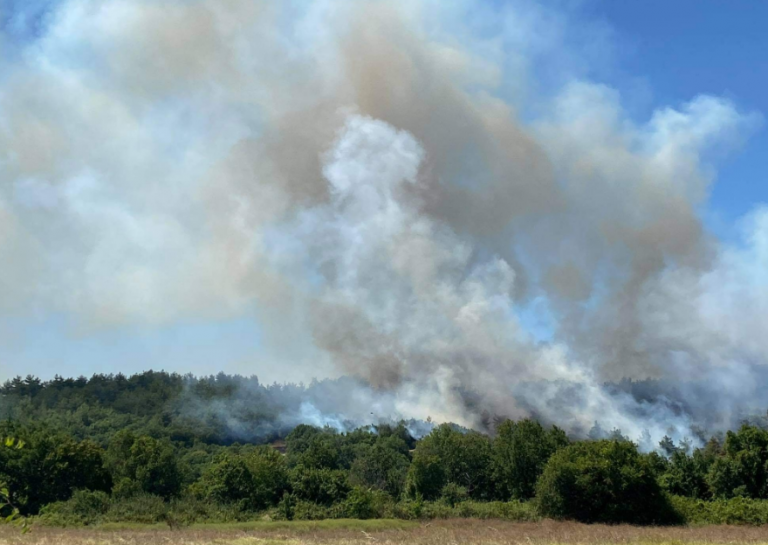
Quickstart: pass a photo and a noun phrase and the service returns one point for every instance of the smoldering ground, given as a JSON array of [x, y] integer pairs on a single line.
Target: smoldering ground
[[393, 189]]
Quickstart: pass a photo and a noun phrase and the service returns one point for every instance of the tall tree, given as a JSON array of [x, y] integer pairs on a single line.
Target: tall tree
[[520, 452]]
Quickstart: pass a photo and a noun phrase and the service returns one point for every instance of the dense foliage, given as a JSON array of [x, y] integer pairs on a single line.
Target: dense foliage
[[153, 447], [218, 410], [602, 481], [520, 451]]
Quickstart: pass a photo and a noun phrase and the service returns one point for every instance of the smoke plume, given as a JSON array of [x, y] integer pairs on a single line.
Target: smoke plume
[[402, 194]]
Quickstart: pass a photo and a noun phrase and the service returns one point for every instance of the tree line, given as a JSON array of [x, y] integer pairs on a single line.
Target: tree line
[[83, 466]]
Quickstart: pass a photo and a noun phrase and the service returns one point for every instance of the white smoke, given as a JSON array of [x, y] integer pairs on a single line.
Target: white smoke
[[358, 171]]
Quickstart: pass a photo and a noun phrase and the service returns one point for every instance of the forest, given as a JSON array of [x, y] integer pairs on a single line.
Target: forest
[[158, 447]]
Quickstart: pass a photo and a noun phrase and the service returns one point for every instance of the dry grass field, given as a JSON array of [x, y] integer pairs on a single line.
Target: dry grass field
[[391, 532]]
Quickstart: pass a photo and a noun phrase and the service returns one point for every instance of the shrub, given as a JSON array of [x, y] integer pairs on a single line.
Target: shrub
[[88, 508], [365, 503], [83, 508], [453, 494], [513, 511], [286, 507], [602, 481], [188, 510], [359, 504], [409, 509], [322, 486], [731, 511], [307, 510], [89, 505], [142, 508]]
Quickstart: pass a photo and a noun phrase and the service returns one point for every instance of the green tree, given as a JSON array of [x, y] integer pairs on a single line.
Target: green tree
[[726, 480], [426, 477], [686, 475], [255, 480], [50, 468], [742, 470], [9, 513], [463, 458], [228, 481], [382, 467], [667, 446], [360, 503], [520, 452], [300, 438], [151, 463], [658, 463], [270, 475], [601, 481], [314, 447], [320, 485]]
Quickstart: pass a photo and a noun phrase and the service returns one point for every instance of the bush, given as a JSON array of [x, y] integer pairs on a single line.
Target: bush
[[408, 509], [142, 508], [322, 486], [514, 511], [286, 508], [88, 508], [83, 508], [189, 510], [364, 503], [602, 481], [307, 510], [732, 511], [453, 494], [89, 505]]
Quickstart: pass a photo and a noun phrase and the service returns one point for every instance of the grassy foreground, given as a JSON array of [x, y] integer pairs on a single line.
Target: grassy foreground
[[354, 532]]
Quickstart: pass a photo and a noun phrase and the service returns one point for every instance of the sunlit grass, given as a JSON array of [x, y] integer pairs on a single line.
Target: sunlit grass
[[298, 527], [389, 532]]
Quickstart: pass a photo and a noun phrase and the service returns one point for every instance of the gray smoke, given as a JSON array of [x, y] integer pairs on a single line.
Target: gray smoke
[[387, 185]]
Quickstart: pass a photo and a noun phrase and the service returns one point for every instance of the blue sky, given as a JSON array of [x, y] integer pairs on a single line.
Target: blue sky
[[689, 47], [657, 53]]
